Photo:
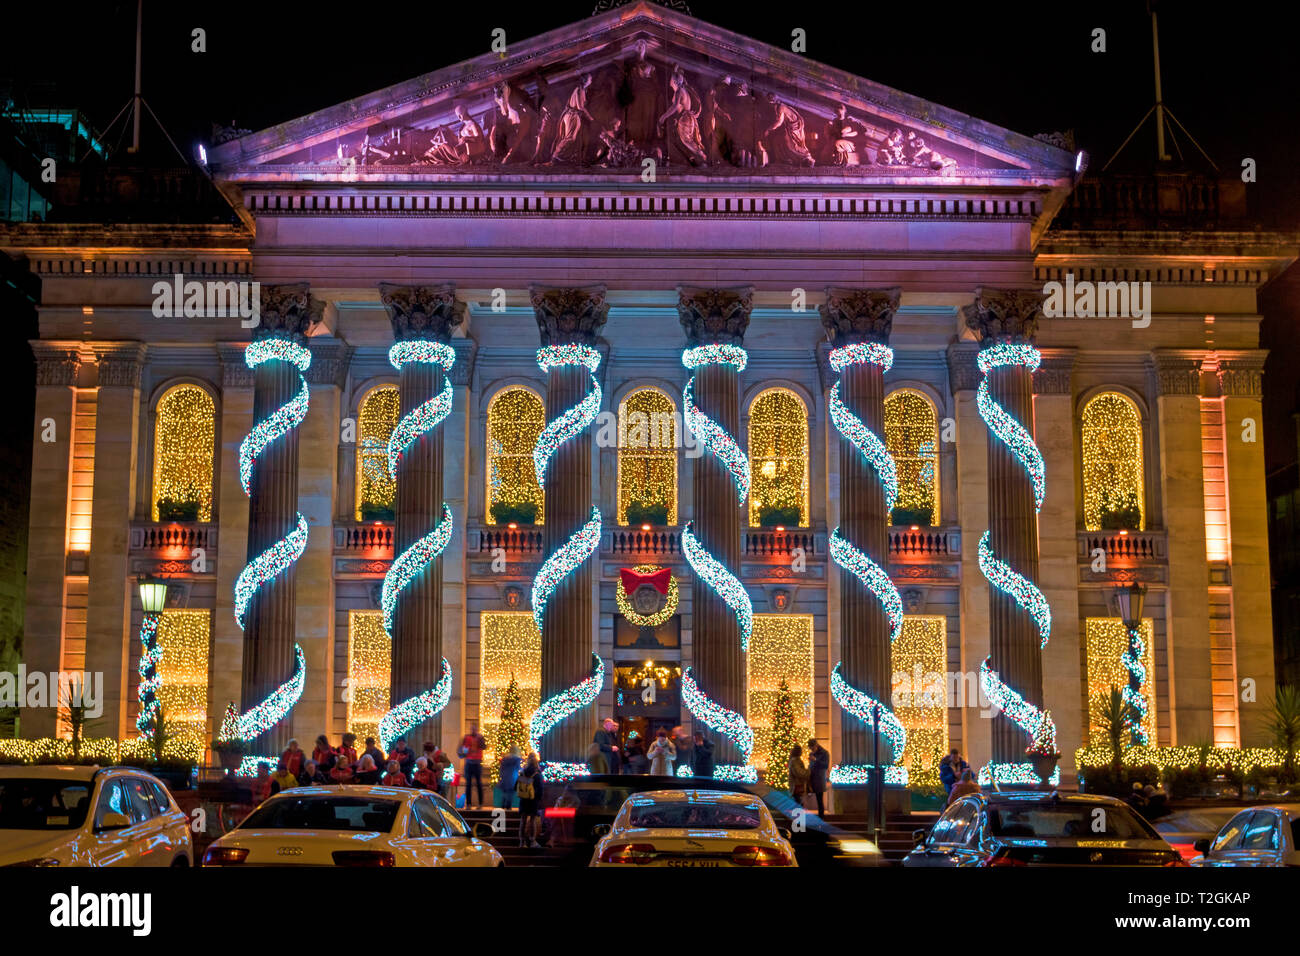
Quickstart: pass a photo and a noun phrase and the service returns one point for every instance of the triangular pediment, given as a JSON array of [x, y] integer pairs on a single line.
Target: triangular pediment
[[636, 83]]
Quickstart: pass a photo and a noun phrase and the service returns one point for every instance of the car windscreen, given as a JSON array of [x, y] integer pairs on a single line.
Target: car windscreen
[[714, 816], [43, 804], [1086, 821], [323, 812]]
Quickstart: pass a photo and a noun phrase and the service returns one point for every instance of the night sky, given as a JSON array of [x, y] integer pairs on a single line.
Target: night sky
[[1233, 79]]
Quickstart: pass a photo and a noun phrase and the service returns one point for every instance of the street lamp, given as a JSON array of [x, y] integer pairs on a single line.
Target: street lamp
[[153, 598], [1129, 601]]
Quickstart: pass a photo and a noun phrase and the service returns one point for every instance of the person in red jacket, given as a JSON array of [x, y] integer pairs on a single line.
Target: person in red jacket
[[293, 757], [342, 772], [324, 754], [349, 747], [425, 778], [395, 777], [262, 782]]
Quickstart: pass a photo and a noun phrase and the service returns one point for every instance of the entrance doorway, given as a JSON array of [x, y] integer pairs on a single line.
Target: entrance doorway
[[647, 696]]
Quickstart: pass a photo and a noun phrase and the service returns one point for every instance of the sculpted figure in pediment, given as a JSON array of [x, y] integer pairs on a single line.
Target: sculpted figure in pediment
[[682, 119], [785, 138], [513, 138], [570, 141], [642, 98], [462, 146]]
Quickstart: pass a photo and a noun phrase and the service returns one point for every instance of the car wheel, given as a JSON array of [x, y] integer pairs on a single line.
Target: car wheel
[[180, 861]]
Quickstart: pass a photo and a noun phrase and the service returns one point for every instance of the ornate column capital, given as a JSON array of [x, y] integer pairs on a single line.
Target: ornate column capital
[[1241, 374], [714, 316], [330, 360], [121, 364], [1176, 371], [1005, 314], [859, 315], [55, 364], [234, 372], [288, 311], [422, 311], [569, 315], [963, 374], [1055, 373]]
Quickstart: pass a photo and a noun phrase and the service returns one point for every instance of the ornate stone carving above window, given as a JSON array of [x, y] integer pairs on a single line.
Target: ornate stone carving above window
[[1005, 313]]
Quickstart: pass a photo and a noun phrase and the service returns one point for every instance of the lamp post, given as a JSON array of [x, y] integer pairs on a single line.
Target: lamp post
[[1129, 600], [153, 598]]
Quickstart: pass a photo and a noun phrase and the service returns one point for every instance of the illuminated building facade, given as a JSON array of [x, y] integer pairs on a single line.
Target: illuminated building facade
[[784, 204]]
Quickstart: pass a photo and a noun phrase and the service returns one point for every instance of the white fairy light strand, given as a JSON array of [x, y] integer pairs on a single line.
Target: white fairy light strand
[[428, 415], [862, 438], [721, 581], [416, 710], [708, 432], [581, 545], [726, 722], [1009, 431], [1133, 695], [411, 563], [564, 704], [575, 419], [873, 578]]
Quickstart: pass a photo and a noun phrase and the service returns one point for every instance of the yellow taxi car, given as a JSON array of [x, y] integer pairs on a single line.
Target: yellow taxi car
[[90, 816], [711, 828], [354, 825]]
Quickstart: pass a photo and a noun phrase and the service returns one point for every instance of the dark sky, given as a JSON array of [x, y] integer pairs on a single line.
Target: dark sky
[[1231, 77]]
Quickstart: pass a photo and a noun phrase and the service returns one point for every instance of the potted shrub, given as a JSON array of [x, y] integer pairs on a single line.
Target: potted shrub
[[518, 512], [1042, 752], [1284, 724], [644, 512], [1121, 513], [770, 516], [228, 746], [906, 517], [370, 511], [178, 509]]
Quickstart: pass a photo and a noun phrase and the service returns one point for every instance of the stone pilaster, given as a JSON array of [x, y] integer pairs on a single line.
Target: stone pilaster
[[972, 513], [57, 368], [456, 437], [108, 607], [318, 480], [1057, 535], [568, 316], [288, 311], [1241, 379], [996, 316], [854, 316], [428, 313], [717, 316], [1177, 377]]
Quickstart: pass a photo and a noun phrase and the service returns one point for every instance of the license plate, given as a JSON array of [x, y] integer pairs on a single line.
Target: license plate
[[687, 861]]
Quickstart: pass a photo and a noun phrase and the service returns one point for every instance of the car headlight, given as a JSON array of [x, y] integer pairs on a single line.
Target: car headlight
[[39, 861]]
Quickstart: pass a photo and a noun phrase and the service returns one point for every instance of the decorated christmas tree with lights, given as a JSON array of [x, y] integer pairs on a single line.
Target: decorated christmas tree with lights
[[783, 738], [511, 731]]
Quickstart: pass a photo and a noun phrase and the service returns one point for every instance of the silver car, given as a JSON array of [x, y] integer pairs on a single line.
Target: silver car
[[1257, 836]]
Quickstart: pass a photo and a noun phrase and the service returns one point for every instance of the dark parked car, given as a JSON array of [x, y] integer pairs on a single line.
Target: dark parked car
[[1257, 836], [590, 802], [1040, 829]]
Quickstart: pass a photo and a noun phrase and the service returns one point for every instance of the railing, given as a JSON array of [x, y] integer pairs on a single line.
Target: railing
[[920, 544], [516, 540], [364, 538], [765, 542], [1132, 547], [171, 538], [656, 541]]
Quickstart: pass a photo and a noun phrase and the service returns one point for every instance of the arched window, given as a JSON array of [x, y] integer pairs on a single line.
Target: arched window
[[778, 455], [376, 418], [183, 443], [516, 418], [647, 458], [912, 438], [1112, 464]]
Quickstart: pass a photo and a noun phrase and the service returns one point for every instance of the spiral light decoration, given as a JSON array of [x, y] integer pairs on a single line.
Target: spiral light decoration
[[253, 723], [708, 568], [1137, 676], [150, 682], [560, 706], [412, 562], [569, 556], [872, 576], [281, 555], [1034, 722]]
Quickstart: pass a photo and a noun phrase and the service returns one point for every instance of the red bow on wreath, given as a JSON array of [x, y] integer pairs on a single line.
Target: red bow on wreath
[[656, 579]]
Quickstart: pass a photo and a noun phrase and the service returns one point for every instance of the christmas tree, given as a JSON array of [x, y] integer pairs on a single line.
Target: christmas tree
[[511, 731], [783, 738]]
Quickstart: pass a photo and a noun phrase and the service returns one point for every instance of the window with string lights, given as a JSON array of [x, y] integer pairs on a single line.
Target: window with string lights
[[183, 454], [1106, 640], [369, 672], [377, 416], [510, 648], [912, 438], [515, 419], [1111, 443], [778, 455], [647, 459]]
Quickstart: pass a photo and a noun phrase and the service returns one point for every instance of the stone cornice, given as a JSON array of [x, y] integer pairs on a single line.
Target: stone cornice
[[859, 315], [55, 364], [963, 374], [569, 315], [120, 365], [1005, 314], [714, 316], [1176, 371], [1055, 373], [422, 311], [330, 360], [1241, 374]]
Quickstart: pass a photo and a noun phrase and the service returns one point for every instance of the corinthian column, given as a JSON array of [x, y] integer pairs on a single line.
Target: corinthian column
[[863, 317], [717, 317], [287, 312], [1006, 322], [568, 317], [420, 314]]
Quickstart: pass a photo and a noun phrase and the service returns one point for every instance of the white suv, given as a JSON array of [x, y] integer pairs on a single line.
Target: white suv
[[90, 816]]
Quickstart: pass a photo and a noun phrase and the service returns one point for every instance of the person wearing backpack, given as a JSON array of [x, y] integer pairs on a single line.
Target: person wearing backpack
[[509, 777], [529, 788]]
